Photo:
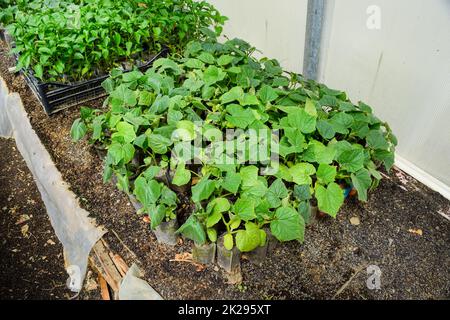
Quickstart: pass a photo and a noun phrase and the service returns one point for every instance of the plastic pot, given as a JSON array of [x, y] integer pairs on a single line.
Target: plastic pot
[[100, 150], [179, 189], [258, 255], [272, 242], [229, 260], [204, 254], [163, 176], [136, 204], [165, 232]]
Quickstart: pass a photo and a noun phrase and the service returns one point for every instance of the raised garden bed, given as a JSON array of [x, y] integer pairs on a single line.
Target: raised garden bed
[[333, 250]]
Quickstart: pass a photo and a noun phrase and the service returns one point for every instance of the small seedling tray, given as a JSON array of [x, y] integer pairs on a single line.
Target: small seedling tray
[[56, 96]]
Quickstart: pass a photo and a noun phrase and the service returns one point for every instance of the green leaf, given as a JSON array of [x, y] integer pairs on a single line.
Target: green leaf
[[276, 192], [360, 129], [185, 130], [341, 122], [194, 64], [160, 105], [249, 176], [193, 229], [249, 100], [157, 215], [38, 71], [203, 189], [122, 96], [325, 129], [239, 117], [78, 130], [248, 239], [192, 84], [267, 94], [330, 199], [326, 174], [212, 75], [168, 197], [302, 192], [125, 131], [221, 205], [310, 108], [158, 143], [123, 183], [364, 107], [376, 140], [234, 94], [346, 106], [224, 60], [288, 225], [245, 209], [147, 192], [304, 208], [206, 57], [182, 176], [351, 160], [151, 172], [213, 219], [59, 66], [302, 172], [258, 190], [167, 64], [361, 181], [296, 138], [121, 152], [228, 242], [302, 120], [232, 182], [215, 208], [386, 157], [212, 234], [145, 98]]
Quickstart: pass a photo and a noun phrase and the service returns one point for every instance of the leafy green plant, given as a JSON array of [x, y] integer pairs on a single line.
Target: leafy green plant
[[68, 41], [324, 140]]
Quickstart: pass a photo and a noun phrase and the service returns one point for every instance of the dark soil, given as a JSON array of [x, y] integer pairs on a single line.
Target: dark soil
[[413, 266], [32, 263]]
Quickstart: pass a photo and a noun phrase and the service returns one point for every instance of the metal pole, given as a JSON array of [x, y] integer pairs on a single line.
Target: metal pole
[[314, 28]]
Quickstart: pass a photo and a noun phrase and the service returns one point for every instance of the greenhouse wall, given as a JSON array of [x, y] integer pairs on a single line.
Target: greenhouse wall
[[395, 57], [277, 28]]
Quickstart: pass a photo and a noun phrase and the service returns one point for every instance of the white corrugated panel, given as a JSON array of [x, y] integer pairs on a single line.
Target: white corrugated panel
[[402, 70], [277, 28]]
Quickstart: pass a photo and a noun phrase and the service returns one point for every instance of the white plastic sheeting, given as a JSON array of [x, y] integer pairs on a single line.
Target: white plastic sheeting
[[277, 28], [401, 69], [134, 288], [74, 229]]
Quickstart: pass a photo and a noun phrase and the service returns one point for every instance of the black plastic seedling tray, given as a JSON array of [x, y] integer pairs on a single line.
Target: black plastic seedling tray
[[55, 96]]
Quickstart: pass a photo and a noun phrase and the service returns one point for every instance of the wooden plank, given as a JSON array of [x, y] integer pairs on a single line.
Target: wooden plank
[[104, 265], [103, 288], [119, 263]]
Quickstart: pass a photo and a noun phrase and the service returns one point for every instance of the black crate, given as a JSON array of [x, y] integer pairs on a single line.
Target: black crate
[[55, 96]]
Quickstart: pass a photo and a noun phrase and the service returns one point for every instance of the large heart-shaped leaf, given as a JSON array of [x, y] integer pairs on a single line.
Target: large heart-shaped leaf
[[288, 225], [330, 199]]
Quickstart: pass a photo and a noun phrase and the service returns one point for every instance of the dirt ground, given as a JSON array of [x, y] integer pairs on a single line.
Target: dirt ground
[[401, 231], [31, 261]]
